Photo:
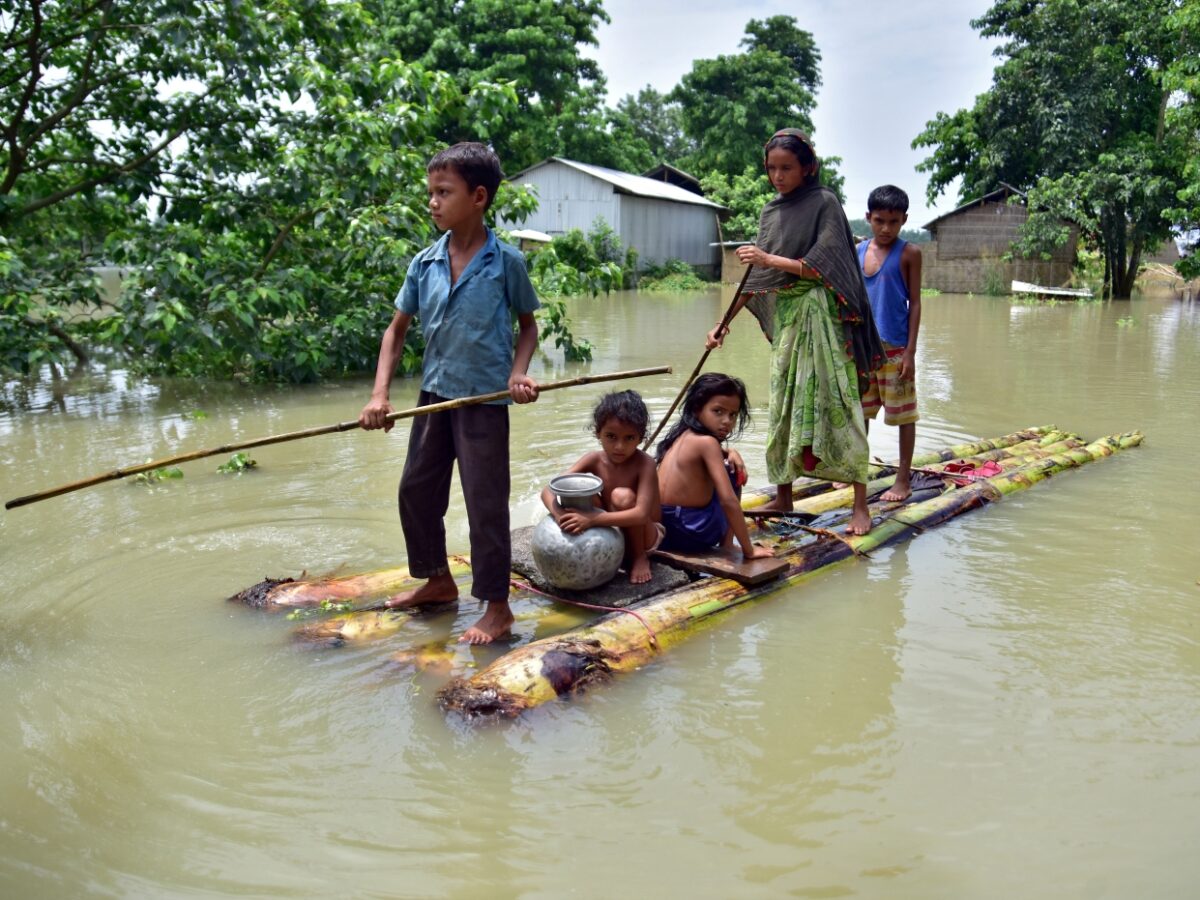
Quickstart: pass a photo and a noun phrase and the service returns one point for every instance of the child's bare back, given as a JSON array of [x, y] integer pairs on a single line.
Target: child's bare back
[[683, 477], [700, 506]]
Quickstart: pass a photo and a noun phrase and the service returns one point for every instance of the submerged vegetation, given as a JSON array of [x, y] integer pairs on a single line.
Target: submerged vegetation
[[154, 476], [674, 275], [236, 464]]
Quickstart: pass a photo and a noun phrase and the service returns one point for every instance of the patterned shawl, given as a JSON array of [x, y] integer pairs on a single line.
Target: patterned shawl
[[809, 224]]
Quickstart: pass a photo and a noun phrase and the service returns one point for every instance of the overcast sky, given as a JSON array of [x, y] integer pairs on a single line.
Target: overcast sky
[[886, 69]]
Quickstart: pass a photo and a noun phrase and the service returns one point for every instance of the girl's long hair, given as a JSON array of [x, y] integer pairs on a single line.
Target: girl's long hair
[[703, 389]]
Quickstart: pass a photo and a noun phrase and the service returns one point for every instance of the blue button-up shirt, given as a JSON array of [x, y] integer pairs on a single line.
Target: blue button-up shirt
[[468, 328]]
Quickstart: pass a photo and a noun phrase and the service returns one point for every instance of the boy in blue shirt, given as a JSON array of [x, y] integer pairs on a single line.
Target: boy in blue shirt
[[465, 289], [891, 268]]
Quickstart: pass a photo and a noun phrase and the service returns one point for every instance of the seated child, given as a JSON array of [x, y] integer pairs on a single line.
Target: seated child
[[699, 483], [629, 499]]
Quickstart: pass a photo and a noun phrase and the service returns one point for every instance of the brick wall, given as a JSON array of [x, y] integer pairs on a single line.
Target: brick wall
[[968, 255]]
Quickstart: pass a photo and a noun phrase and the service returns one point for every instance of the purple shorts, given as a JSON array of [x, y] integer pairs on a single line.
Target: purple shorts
[[694, 528]]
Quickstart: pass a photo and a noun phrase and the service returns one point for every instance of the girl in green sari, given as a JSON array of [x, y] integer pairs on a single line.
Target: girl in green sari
[[807, 292]]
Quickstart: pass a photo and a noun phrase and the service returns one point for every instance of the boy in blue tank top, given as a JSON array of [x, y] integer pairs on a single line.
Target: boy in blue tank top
[[891, 268]]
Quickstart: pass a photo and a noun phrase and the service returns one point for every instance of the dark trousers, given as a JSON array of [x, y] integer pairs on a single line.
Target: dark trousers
[[477, 437]]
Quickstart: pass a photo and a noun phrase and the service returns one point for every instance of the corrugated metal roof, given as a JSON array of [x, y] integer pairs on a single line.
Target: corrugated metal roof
[[1005, 190], [629, 184]]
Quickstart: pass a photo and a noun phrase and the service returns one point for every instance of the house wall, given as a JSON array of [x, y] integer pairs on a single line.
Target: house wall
[[662, 230], [984, 275], [658, 229], [967, 255], [567, 198], [1166, 253]]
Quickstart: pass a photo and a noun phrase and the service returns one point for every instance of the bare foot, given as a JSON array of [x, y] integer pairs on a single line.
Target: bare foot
[[781, 502], [897, 492], [860, 522], [639, 572], [495, 623], [438, 589], [840, 485]]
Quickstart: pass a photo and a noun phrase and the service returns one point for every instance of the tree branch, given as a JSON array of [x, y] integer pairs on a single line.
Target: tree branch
[[81, 92], [16, 156], [277, 244], [113, 175], [59, 332], [78, 15]]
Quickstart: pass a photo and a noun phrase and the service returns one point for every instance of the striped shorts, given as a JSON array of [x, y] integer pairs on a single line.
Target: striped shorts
[[897, 397]]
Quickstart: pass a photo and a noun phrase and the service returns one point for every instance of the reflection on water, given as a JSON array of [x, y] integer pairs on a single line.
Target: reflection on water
[[1007, 702]]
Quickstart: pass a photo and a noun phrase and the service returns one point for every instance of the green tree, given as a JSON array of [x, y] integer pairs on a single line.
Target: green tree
[[649, 125], [93, 99], [780, 34], [269, 243], [743, 195], [731, 104], [1182, 79], [1077, 116], [289, 276], [533, 44]]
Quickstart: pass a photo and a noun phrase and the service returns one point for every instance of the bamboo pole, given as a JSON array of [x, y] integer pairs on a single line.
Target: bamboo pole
[[324, 429], [724, 323], [576, 660]]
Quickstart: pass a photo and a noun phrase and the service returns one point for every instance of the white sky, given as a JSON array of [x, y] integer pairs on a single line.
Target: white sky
[[886, 69]]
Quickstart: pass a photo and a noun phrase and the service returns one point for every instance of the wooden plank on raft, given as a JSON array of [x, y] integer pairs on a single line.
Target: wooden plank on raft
[[726, 562]]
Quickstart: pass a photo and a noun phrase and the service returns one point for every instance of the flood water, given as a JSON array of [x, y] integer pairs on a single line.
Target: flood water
[[1006, 706]]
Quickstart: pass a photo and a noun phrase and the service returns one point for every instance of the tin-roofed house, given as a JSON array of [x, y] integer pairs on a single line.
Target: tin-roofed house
[[969, 244], [658, 219]]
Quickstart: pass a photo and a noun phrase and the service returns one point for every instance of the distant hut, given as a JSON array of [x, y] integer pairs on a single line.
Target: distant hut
[[659, 219], [1167, 253], [967, 252]]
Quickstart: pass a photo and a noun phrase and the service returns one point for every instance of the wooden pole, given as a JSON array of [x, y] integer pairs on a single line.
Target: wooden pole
[[729, 313], [324, 429]]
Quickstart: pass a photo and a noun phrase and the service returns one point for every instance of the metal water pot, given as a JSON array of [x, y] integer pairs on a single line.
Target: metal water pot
[[576, 561]]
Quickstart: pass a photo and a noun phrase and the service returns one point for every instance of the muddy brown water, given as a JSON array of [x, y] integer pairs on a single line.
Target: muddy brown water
[[1008, 705]]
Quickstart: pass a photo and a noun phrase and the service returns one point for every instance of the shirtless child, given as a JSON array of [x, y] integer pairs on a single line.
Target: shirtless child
[[629, 499], [700, 509]]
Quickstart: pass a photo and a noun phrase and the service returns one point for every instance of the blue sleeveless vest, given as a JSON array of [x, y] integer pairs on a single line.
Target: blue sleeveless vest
[[888, 294]]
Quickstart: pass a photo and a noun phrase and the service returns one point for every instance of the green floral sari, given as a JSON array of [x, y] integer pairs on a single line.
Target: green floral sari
[[814, 392]]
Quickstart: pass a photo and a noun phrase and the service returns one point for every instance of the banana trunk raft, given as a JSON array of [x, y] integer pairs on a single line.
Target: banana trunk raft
[[566, 663]]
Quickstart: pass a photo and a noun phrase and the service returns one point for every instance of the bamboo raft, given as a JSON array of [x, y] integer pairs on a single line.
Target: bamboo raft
[[570, 661]]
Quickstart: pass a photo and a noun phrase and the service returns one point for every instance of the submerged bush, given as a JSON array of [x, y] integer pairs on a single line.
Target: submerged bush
[[674, 275]]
